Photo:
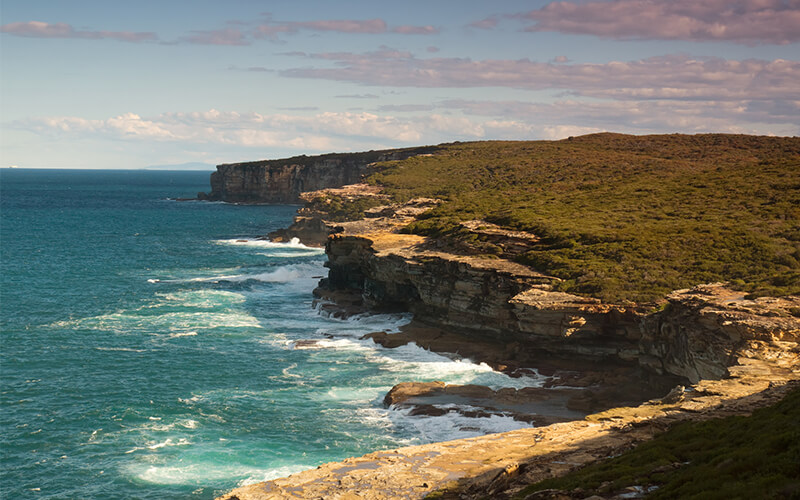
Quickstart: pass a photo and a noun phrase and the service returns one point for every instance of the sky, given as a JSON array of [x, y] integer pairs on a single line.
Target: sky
[[118, 84]]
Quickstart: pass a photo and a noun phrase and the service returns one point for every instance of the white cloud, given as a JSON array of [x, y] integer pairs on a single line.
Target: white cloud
[[563, 131], [320, 132], [444, 121]]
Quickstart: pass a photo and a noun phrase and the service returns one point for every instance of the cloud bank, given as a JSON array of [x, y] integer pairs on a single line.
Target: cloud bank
[[748, 22], [226, 36], [665, 77], [38, 29], [272, 30], [320, 132], [444, 121]]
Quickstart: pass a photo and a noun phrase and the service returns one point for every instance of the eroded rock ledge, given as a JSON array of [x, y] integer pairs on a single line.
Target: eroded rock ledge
[[696, 334], [735, 355]]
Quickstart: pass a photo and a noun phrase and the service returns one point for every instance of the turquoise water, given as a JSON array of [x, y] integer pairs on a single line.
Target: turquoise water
[[148, 346]]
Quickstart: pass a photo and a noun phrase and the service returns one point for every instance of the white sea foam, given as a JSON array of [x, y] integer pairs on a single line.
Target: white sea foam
[[159, 425], [351, 395], [181, 322], [186, 275], [182, 334], [269, 475], [163, 444], [213, 417], [452, 425], [333, 344], [286, 247], [121, 349], [202, 474], [414, 362], [361, 324], [222, 396], [208, 299], [291, 255], [188, 423], [282, 274], [279, 275], [286, 371]]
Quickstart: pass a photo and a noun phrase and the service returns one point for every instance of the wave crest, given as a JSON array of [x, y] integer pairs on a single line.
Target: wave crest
[[293, 244]]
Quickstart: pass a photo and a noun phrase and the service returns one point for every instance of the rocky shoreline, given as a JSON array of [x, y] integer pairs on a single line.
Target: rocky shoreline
[[721, 352], [499, 465]]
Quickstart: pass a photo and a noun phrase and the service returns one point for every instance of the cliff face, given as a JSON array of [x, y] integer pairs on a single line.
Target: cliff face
[[698, 335], [282, 181], [705, 331], [489, 299]]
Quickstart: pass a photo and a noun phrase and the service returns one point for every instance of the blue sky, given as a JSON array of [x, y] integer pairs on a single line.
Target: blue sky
[[99, 84]]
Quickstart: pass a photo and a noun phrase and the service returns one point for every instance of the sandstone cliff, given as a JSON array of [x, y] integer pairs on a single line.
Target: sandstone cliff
[[697, 334], [282, 181]]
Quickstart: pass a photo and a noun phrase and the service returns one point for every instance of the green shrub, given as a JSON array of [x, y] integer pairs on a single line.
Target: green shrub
[[338, 208]]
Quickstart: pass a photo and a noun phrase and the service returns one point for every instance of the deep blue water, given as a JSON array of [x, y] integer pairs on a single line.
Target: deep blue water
[[148, 345]]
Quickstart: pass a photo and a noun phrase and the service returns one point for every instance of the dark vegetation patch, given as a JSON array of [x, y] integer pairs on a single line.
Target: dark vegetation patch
[[734, 457], [340, 208], [623, 217], [363, 157]]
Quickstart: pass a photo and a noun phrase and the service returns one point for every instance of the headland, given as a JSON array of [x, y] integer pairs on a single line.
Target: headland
[[654, 279]]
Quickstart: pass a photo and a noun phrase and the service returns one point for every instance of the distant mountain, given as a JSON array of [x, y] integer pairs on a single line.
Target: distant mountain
[[192, 165]]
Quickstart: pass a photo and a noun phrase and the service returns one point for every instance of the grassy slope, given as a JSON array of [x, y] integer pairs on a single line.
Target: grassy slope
[[624, 217], [734, 457]]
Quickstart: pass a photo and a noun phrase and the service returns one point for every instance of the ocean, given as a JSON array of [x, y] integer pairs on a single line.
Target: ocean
[[148, 346]]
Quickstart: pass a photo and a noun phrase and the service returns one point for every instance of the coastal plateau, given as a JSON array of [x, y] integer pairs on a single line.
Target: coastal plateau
[[652, 279]]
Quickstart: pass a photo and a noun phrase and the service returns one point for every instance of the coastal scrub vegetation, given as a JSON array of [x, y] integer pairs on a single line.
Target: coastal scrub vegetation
[[340, 208], [619, 217], [733, 457]]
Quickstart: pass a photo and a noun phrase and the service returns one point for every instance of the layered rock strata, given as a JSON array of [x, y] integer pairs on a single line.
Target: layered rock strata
[[697, 335]]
